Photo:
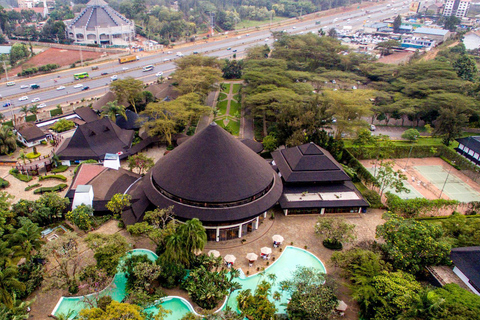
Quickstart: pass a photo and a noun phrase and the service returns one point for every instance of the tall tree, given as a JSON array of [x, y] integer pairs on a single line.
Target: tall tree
[[397, 23], [466, 68], [127, 89], [9, 283], [8, 142], [450, 124], [111, 109], [194, 235]]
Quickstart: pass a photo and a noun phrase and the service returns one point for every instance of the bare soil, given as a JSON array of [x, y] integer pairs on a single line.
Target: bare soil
[[61, 57]]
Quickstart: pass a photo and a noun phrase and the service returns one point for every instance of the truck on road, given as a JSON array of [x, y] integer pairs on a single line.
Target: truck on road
[[127, 59]]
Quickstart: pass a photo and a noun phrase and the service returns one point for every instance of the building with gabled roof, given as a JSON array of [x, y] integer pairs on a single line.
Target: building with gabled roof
[[314, 182], [29, 134], [469, 147], [94, 139], [213, 177], [86, 114], [467, 266], [99, 24]]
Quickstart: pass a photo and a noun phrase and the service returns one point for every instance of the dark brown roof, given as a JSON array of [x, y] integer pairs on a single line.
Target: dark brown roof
[[467, 259], [308, 163], [87, 114], [93, 139], [256, 146], [107, 97], [132, 122], [214, 177], [30, 132]]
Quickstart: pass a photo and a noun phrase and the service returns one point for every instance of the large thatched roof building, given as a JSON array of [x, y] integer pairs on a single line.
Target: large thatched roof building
[[212, 177]]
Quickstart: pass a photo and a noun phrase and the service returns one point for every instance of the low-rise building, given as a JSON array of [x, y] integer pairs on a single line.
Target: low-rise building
[[467, 266], [439, 35], [469, 147], [29, 134]]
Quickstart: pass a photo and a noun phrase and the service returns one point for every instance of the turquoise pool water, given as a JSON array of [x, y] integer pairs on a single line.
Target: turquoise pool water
[[283, 267]]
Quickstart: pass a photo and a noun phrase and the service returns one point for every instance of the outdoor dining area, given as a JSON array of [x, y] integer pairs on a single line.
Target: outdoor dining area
[[265, 253]]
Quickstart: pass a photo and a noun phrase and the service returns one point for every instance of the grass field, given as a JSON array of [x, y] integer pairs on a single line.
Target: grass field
[[226, 87], [234, 107], [250, 23], [236, 88], [222, 107], [234, 126], [237, 97], [222, 96]]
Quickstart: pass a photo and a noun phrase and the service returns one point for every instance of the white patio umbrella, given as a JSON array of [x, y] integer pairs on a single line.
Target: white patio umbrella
[[214, 253], [251, 256], [230, 258], [277, 238], [266, 250]]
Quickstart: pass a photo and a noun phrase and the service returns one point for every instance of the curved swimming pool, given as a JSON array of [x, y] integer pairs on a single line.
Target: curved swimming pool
[[283, 267]]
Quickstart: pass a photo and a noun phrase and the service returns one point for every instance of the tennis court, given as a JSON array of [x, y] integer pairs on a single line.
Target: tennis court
[[455, 188], [414, 193]]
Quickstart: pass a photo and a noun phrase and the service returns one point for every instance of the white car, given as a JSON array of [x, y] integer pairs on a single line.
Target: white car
[[78, 86], [23, 98], [42, 105], [24, 86], [35, 99], [114, 77], [266, 40], [61, 88], [159, 74], [166, 59], [125, 68]]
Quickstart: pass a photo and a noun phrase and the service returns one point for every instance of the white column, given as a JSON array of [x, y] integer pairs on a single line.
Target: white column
[[285, 211], [359, 209], [322, 211], [240, 231], [218, 234], [265, 214], [256, 223]]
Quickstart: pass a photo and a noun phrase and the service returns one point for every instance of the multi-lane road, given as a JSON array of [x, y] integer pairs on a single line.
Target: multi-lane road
[[164, 62]]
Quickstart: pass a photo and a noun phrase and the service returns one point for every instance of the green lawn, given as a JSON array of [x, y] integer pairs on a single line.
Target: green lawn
[[226, 87], [234, 126], [234, 107], [237, 97], [251, 23], [236, 88], [222, 96], [219, 122], [222, 107]]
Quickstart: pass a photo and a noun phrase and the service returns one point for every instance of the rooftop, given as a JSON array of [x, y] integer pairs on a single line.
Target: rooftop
[[432, 31]]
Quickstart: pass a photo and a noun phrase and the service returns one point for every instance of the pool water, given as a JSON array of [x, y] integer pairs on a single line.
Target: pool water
[[283, 267]]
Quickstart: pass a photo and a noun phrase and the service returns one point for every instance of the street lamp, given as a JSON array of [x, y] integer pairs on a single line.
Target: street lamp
[[448, 174], [406, 164]]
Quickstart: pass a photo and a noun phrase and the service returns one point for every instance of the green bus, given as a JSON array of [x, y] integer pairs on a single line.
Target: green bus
[[81, 75]]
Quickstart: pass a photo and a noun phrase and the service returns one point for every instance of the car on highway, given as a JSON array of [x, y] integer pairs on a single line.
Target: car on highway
[[104, 73], [372, 127], [35, 100], [234, 50], [41, 105], [7, 104], [23, 86], [61, 88], [23, 98], [266, 40], [169, 52], [125, 68], [10, 83], [159, 74], [195, 52], [166, 59], [229, 48], [85, 88], [78, 86], [34, 86], [114, 77]]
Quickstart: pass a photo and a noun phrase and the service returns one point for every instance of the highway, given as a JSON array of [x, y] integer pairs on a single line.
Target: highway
[[98, 84]]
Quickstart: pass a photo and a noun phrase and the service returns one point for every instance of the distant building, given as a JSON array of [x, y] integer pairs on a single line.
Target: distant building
[[417, 43], [457, 8], [100, 24], [471, 40], [467, 266], [439, 35]]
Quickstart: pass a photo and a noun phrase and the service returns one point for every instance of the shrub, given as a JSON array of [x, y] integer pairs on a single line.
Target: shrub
[[81, 216], [43, 142], [450, 163], [57, 188], [4, 183], [332, 244], [32, 155], [63, 125], [19, 176], [33, 186], [373, 198], [60, 168], [417, 206], [53, 176], [56, 112]]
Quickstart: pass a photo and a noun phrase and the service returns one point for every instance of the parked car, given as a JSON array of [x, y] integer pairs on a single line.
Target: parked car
[[372, 127]]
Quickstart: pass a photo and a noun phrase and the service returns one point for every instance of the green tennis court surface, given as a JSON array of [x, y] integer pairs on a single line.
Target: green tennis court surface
[[455, 188], [414, 193]]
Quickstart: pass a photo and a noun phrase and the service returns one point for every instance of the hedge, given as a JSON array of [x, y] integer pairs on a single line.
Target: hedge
[[19, 176], [56, 188], [362, 172], [450, 163], [53, 176], [60, 168], [33, 186], [56, 112], [4, 183], [414, 207], [32, 155], [444, 217]]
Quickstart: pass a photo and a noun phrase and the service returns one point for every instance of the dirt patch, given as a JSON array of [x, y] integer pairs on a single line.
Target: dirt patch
[[61, 57], [433, 53], [396, 58]]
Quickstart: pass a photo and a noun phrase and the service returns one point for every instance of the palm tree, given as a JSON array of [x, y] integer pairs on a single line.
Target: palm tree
[[425, 306], [194, 235], [175, 249], [5, 254], [9, 282], [34, 109], [25, 111], [25, 240], [8, 142], [111, 109]]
